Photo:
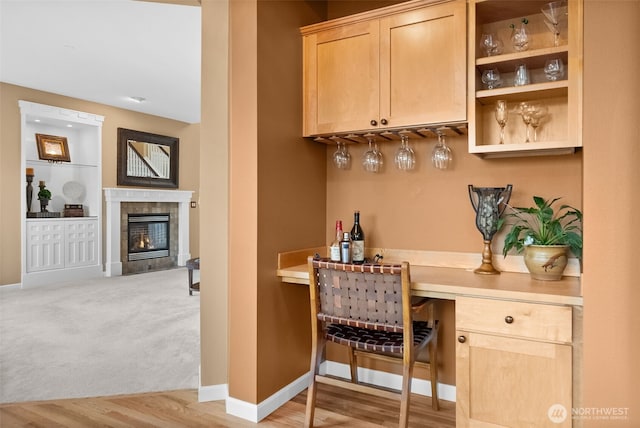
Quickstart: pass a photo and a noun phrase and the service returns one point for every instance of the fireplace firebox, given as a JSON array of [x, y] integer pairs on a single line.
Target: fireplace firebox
[[148, 236]]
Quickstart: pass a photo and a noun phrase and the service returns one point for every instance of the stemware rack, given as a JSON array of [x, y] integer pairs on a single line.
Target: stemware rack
[[430, 131]]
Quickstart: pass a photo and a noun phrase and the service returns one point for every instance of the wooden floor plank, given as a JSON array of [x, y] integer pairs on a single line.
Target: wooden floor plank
[[177, 409]]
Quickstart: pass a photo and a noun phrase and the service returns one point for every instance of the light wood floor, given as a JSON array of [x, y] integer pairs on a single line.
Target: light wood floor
[[174, 409]]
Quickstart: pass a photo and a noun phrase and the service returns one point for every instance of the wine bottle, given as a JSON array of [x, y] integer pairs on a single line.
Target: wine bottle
[[345, 248], [357, 240], [334, 250]]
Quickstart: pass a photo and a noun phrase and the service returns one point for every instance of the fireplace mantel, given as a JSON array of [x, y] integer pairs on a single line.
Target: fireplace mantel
[[114, 196]]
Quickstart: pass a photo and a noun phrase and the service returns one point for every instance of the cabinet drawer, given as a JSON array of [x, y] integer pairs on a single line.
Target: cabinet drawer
[[518, 319]]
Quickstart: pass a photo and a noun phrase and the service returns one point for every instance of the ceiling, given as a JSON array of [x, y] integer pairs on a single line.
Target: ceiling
[[106, 51]]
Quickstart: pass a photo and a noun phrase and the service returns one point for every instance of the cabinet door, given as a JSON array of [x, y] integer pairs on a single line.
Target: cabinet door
[[45, 245], [423, 65], [81, 243], [507, 382], [341, 86]]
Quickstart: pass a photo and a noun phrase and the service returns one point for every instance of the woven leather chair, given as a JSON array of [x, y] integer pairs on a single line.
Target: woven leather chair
[[369, 309]]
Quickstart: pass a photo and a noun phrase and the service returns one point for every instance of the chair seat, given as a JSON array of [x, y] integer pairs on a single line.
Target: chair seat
[[376, 340]]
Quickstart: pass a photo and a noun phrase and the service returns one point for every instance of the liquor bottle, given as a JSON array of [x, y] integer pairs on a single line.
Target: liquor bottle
[[345, 248], [334, 250], [357, 240]]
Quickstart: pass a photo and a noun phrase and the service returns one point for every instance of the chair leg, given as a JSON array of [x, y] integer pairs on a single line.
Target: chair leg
[[407, 374], [353, 365], [433, 372], [317, 349]]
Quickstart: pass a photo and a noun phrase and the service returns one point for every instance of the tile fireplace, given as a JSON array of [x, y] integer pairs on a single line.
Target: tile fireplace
[[120, 202]]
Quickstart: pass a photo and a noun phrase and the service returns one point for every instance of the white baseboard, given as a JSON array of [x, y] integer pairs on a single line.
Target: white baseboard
[[257, 412], [390, 380], [213, 392]]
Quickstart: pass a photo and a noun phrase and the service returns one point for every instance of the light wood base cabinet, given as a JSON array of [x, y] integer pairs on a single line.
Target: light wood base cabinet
[[513, 364]]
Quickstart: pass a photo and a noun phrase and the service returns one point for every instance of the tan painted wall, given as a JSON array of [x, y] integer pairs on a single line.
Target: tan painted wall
[[277, 197], [12, 181], [611, 203], [214, 197]]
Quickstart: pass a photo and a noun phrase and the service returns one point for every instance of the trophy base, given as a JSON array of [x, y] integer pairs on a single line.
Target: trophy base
[[486, 269]]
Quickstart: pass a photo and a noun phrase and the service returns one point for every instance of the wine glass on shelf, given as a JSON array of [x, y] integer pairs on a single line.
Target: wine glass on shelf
[[555, 14], [502, 115], [490, 44], [491, 78], [524, 109], [520, 36], [538, 112], [554, 69]]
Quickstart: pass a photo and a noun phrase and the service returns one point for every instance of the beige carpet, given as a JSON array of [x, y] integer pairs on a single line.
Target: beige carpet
[[107, 336]]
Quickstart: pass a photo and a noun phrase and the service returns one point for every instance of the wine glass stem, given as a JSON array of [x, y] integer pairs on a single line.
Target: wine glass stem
[[527, 139], [501, 134], [535, 133], [556, 39]]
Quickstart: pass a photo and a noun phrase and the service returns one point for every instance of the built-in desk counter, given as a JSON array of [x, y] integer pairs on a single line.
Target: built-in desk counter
[[506, 323], [450, 282]]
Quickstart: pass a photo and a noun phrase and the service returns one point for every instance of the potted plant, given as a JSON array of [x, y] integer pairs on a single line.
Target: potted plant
[[545, 236], [44, 195]]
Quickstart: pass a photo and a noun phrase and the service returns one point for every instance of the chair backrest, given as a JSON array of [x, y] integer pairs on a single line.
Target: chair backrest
[[373, 296]]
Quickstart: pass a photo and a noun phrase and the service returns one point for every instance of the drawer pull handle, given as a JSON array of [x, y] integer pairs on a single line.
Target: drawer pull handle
[[462, 339], [383, 121], [374, 122], [508, 319]]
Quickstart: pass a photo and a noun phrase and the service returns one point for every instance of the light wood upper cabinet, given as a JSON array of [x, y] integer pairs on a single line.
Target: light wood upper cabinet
[[513, 364], [560, 131], [400, 66]]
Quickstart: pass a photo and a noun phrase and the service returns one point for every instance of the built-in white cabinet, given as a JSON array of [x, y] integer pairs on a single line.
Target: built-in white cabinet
[[61, 243], [61, 248]]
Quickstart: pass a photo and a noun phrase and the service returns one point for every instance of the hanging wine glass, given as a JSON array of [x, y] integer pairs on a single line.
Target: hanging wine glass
[[502, 115], [405, 157], [372, 158], [441, 156], [341, 157]]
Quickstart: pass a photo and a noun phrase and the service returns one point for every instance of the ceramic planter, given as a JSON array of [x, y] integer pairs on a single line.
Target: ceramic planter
[[546, 262]]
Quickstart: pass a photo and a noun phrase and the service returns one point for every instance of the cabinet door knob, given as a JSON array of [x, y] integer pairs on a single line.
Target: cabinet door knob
[[508, 319], [383, 121], [462, 339], [374, 122]]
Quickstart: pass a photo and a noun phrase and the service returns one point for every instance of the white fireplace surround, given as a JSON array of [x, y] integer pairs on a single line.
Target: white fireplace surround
[[114, 196]]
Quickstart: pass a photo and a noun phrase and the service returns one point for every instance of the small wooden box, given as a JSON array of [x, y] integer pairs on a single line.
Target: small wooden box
[[73, 210]]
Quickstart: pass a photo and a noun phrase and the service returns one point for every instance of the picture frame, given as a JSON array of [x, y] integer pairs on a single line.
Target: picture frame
[[53, 148], [146, 159]]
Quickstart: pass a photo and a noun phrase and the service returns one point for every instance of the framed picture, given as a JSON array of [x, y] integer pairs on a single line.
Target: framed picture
[[146, 159], [53, 148]]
